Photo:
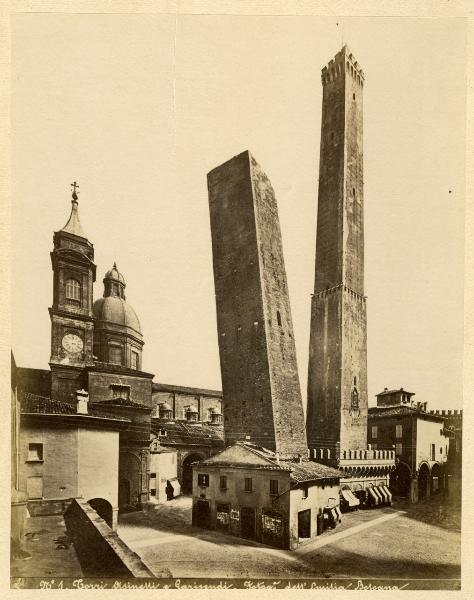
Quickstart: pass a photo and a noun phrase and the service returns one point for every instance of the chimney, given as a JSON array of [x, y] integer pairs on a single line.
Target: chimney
[[82, 398]]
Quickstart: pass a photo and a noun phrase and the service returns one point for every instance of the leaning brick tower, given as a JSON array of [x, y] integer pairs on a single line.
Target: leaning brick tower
[[337, 376], [261, 391]]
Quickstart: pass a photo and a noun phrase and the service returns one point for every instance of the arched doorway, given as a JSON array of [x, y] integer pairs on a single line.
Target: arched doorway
[[124, 493], [103, 508], [423, 481], [187, 473], [436, 479], [400, 480]]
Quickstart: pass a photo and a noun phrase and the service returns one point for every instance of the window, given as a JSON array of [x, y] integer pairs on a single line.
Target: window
[[440, 450], [134, 360], [304, 489], [163, 433], [35, 452], [115, 354], [73, 291], [355, 399], [398, 448], [223, 482], [152, 475], [191, 414], [273, 487], [119, 391], [398, 431], [433, 452], [248, 484], [278, 318], [153, 492], [374, 432], [353, 96], [203, 479]]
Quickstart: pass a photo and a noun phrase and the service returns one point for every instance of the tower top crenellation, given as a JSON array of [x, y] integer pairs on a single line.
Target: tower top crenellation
[[343, 62]]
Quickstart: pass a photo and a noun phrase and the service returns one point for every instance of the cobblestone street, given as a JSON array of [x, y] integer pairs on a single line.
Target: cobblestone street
[[404, 542]]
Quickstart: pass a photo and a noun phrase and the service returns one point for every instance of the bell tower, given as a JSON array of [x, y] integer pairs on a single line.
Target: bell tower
[[72, 321]]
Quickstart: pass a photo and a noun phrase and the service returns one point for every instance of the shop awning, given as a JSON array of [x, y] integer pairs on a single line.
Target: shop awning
[[388, 492], [375, 496], [350, 498], [379, 494], [380, 489]]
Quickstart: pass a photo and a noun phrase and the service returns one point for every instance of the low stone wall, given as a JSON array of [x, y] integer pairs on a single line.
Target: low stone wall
[[100, 550], [45, 508]]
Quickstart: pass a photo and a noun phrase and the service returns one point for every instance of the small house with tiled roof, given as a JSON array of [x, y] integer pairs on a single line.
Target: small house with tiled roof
[[248, 491], [59, 446]]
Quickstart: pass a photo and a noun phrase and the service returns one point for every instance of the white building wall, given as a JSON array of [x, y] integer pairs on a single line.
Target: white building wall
[[98, 465], [428, 433]]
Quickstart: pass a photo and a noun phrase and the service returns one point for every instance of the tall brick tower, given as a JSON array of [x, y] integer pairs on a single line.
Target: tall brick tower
[[337, 377], [261, 390]]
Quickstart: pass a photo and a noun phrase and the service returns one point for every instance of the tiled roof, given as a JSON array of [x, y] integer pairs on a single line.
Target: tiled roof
[[121, 402], [183, 433], [165, 387], [305, 470], [401, 411], [389, 392], [309, 470], [41, 405]]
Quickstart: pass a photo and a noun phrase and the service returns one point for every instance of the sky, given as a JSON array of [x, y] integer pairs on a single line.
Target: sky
[[138, 108]]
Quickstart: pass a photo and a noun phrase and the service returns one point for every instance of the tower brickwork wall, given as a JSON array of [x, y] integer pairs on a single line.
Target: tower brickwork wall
[[261, 391], [337, 375]]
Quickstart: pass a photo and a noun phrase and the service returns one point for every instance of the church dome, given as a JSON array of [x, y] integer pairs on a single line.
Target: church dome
[[118, 336], [116, 311]]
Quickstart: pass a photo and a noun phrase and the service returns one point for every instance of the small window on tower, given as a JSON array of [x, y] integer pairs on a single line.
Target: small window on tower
[[73, 292], [278, 318], [353, 191], [353, 96]]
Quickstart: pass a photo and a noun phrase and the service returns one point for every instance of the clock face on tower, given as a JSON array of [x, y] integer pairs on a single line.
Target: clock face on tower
[[72, 343]]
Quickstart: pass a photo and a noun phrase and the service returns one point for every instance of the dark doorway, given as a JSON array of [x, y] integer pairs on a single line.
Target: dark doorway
[[103, 509], [247, 523], [124, 493], [202, 514], [187, 473], [423, 481], [400, 480], [304, 524], [436, 479]]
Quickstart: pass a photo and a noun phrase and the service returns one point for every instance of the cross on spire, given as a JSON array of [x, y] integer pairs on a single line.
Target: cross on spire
[[74, 186]]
